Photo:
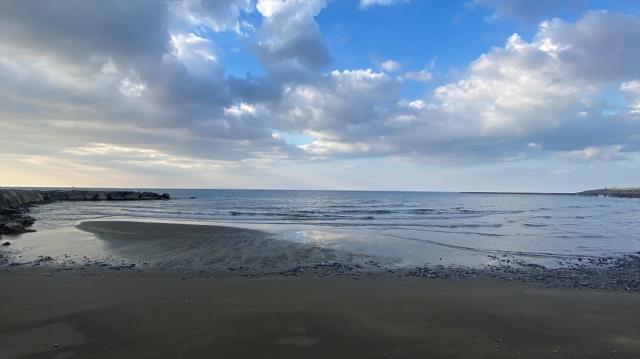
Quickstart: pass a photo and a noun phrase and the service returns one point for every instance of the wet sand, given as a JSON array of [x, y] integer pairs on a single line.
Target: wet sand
[[121, 315]]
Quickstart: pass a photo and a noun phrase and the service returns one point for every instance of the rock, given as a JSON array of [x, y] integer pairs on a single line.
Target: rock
[[12, 227], [148, 195], [132, 196], [153, 195], [56, 195], [6, 243], [12, 199], [75, 196], [26, 221], [15, 202], [123, 196]]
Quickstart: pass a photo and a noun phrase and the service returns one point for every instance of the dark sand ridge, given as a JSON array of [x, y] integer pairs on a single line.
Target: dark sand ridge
[[207, 247], [120, 316]]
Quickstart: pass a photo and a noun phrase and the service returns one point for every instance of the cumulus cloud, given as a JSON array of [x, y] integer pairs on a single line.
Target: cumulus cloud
[[289, 35], [340, 104], [84, 83], [75, 72], [527, 87], [546, 91]]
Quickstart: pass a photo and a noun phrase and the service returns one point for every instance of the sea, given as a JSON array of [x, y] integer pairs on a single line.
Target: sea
[[398, 229]]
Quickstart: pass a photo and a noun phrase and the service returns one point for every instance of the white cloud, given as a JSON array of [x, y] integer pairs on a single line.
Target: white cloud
[[364, 4], [342, 102], [419, 76], [164, 89], [131, 87], [530, 86], [195, 52], [218, 15], [390, 65], [631, 87], [289, 34], [632, 90], [597, 152], [527, 94], [140, 156], [417, 104]]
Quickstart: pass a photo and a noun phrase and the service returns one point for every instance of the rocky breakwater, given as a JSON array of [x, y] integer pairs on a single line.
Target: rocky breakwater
[[13, 207], [15, 203]]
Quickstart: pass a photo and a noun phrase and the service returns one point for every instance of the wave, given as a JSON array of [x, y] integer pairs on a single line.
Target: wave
[[498, 251], [428, 213], [453, 232]]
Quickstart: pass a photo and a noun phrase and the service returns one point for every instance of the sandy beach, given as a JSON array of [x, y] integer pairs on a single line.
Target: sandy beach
[[147, 316], [52, 309]]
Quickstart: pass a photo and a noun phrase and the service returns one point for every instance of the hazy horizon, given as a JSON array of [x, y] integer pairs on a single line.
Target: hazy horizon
[[304, 189], [373, 95]]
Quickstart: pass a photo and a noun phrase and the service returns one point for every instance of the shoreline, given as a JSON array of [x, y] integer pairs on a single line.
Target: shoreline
[[203, 251]]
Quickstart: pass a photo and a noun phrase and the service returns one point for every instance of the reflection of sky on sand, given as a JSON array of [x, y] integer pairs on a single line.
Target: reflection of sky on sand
[[65, 243], [391, 246], [376, 244], [415, 247]]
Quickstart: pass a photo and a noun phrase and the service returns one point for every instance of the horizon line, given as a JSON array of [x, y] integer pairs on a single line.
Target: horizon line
[[302, 189]]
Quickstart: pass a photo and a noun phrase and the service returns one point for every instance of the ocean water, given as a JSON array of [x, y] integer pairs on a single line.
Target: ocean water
[[396, 228]]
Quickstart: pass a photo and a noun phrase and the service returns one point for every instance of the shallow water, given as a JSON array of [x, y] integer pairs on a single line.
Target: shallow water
[[398, 228]]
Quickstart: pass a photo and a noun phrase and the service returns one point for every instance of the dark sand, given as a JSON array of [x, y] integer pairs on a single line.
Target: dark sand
[[150, 316], [93, 312]]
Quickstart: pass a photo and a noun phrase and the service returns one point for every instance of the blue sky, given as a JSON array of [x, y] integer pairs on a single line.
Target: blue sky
[[352, 94]]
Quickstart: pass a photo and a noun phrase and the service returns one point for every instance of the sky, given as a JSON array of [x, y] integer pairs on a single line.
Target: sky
[[429, 95]]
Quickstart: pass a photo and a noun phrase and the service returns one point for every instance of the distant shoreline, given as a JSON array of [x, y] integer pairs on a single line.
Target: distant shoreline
[[604, 192], [524, 193]]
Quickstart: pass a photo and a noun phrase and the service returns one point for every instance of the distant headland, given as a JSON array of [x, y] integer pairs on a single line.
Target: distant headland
[[632, 192]]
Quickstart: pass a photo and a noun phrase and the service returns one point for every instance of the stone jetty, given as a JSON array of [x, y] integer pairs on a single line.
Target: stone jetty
[[15, 203]]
